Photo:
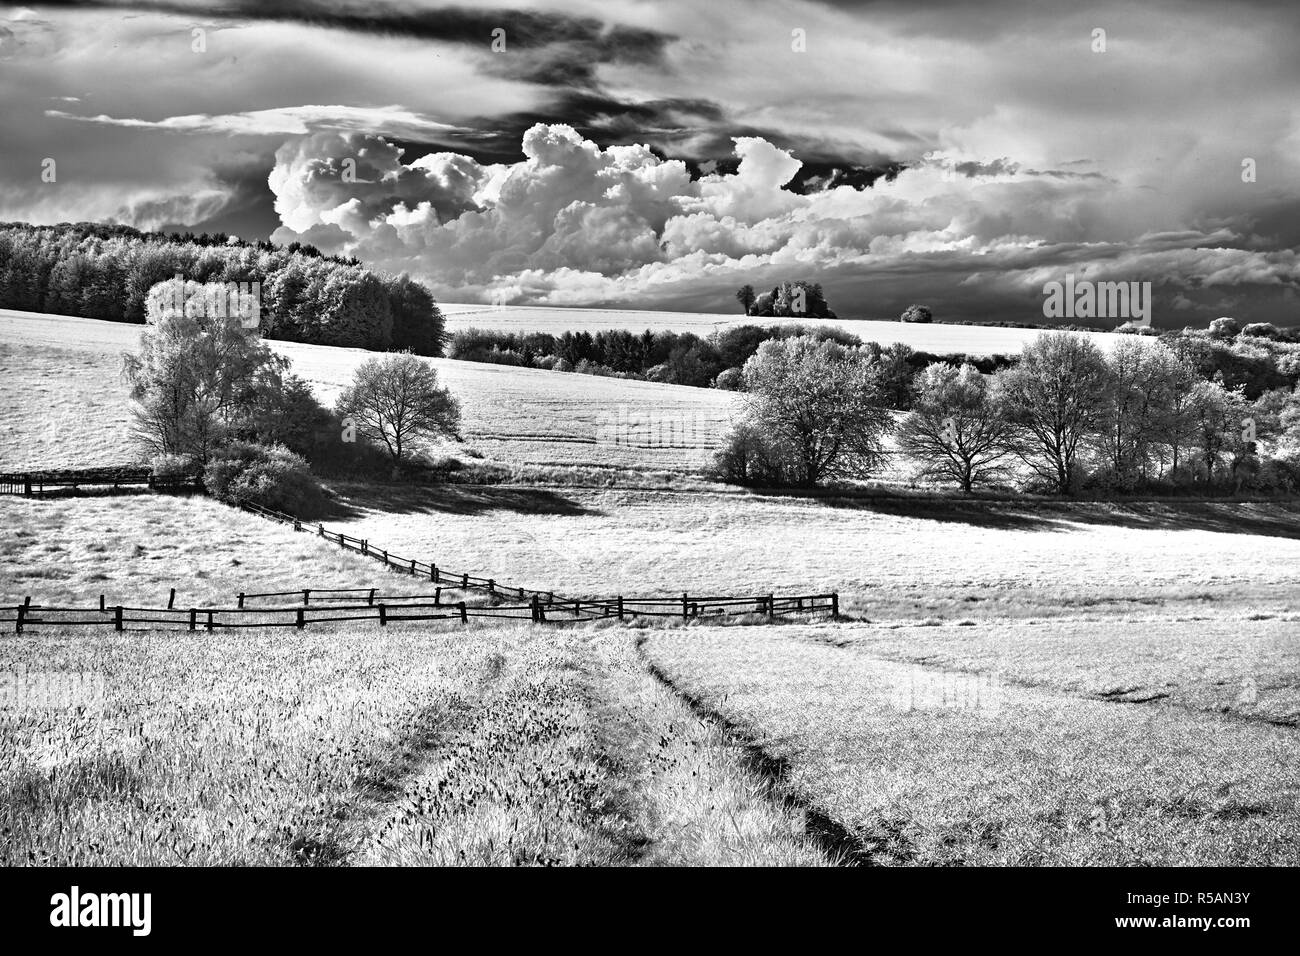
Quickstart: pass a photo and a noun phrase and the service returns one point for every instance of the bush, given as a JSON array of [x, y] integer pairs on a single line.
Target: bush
[[917, 313], [1262, 330], [753, 456], [1224, 328], [731, 380], [272, 477], [173, 466]]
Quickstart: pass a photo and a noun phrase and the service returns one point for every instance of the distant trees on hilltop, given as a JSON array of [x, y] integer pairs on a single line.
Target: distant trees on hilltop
[[106, 272], [789, 300]]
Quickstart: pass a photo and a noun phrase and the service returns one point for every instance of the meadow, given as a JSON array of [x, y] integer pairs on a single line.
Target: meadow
[[1014, 681], [62, 378], [925, 767], [425, 744]]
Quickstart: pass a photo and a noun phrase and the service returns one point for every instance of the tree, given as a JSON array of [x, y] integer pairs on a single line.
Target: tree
[[1135, 422], [1055, 397], [820, 404], [955, 430], [745, 296], [916, 313], [198, 378], [397, 400]]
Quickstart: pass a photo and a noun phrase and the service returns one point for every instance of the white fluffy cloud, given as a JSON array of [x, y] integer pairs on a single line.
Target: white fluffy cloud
[[576, 224]]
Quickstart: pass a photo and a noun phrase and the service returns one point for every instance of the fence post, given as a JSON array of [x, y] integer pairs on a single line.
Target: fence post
[[835, 605], [385, 550], [536, 609], [413, 567], [620, 607], [371, 600], [193, 615], [577, 606], [383, 615], [550, 597], [433, 573], [171, 599], [306, 595], [297, 525], [27, 487], [22, 613], [464, 615], [101, 603], [437, 596], [464, 582], [771, 607], [209, 624], [301, 621], [685, 606], [117, 618], [492, 586], [521, 593], [365, 546], [320, 530]]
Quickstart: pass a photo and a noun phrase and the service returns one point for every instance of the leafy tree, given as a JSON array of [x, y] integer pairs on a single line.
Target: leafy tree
[[397, 400], [916, 313], [955, 431], [820, 404], [745, 296], [1055, 396], [198, 379], [1135, 422]]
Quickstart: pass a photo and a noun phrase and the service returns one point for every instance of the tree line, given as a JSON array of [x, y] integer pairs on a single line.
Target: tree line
[[681, 358], [106, 272], [1066, 418]]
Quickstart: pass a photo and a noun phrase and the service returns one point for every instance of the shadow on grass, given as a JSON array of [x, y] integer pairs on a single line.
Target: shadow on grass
[[1276, 519], [355, 497]]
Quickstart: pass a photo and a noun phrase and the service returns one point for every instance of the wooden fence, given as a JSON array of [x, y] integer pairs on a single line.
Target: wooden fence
[[37, 483], [383, 612]]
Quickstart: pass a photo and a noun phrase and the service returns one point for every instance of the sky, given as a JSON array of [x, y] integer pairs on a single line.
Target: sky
[[631, 154]]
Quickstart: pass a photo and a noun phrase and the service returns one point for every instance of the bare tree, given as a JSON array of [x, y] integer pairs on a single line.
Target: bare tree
[[397, 400]]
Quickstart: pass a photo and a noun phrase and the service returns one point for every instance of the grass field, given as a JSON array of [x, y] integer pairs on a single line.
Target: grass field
[[938, 339], [62, 379], [922, 768], [1027, 682], [414, 747], [411, 744], [889, 559]]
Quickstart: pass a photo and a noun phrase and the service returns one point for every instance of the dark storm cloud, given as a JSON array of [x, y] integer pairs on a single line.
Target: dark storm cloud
[[554, 48]]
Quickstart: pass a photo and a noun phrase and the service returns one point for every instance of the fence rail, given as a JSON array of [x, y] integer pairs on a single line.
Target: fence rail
[[120, 617], [37, 483]]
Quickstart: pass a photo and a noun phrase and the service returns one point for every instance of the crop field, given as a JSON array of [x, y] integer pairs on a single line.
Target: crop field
[[520, 416], [936, 338]]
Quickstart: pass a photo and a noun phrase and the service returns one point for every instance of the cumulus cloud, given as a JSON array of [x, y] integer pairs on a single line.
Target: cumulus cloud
[[573, 223]]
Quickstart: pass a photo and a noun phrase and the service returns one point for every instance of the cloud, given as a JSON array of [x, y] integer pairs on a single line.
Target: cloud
[[394, 120], [575, 223]]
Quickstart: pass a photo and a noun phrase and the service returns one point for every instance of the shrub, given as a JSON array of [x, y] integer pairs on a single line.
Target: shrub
[[173, 466], [917, 313], [1224, 327], [754, 456], [272, 477], [1261, 330], [731, 380]]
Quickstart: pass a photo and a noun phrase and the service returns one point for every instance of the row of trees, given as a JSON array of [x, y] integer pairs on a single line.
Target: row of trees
[[1065, 418], [682, 358], [106, 273]]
